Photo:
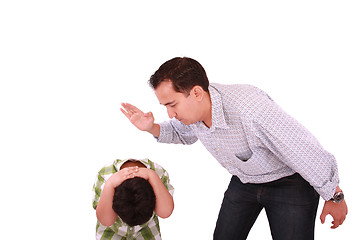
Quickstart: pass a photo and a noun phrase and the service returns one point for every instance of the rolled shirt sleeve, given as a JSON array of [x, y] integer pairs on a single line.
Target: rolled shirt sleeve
[[176, 132]]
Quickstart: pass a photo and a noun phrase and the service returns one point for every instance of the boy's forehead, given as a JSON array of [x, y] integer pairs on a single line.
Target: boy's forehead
[[132, 163]]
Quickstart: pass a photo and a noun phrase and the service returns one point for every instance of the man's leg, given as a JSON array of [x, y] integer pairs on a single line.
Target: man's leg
[[291, 205], [238, 212]]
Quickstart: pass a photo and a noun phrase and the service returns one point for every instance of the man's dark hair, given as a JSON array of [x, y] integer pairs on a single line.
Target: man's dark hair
[[184, 73], [134, 201]]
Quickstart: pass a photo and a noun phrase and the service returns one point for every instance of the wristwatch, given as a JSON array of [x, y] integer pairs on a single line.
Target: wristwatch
[[338, 197]]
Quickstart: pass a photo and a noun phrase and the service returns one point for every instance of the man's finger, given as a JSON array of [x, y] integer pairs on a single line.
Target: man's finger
[[125, 113], [335, 224], [342, 221], [323, 217], [130, 108]]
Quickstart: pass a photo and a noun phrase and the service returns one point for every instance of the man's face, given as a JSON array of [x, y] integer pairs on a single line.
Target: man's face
[[184, 108]]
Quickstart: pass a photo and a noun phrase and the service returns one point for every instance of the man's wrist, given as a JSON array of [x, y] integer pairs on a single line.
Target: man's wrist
[[338, 197], [155, 130]]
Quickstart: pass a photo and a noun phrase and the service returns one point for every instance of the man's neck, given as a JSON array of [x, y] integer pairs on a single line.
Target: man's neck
[[208, 113]]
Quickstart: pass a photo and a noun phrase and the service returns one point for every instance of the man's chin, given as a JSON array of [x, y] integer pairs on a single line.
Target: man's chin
[[187, 122], [183, 121]]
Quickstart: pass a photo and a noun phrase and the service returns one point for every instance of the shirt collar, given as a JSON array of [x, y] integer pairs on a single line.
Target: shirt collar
[[217, 110]]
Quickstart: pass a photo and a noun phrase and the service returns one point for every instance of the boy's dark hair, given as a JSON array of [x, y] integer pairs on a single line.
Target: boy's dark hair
[[134, 201], [184, 73]]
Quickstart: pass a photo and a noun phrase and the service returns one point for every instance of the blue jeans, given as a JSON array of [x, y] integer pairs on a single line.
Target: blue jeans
[[290, 204]]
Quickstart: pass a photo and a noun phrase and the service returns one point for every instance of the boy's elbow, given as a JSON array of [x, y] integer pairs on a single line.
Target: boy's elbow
[[106, 221], [165, 212], [168, 214], [106, 224]]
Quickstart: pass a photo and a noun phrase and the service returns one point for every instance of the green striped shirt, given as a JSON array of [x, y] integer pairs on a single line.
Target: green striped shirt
[[120, 230]]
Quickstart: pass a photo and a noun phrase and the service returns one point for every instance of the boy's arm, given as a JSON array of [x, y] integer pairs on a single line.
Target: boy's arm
[[164, 202], [104, 210]]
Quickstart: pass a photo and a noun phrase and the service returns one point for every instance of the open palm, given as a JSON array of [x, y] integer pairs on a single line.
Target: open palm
[[143, 121]]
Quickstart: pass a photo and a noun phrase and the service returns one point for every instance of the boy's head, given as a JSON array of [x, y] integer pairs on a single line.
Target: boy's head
[[134, 201]]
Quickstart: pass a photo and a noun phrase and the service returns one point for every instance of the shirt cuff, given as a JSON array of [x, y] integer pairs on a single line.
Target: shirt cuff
[[328, 190], [164, 136]]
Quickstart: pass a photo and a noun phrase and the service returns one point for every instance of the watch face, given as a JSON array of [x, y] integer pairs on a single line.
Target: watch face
[[338, 197]]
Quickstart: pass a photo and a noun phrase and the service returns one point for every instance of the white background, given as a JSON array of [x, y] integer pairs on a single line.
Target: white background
[[65, 67]]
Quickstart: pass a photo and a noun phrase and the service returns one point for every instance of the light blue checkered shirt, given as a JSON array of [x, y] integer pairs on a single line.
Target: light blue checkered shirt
[[254, 139]]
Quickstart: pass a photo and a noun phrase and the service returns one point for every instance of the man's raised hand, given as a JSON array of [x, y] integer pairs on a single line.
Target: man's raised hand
[[143, 121]]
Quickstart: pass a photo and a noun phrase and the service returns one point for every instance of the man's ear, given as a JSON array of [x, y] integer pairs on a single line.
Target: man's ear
[[197, 92]]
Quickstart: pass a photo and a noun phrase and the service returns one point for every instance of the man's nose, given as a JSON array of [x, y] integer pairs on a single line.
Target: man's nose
[[171, 113]]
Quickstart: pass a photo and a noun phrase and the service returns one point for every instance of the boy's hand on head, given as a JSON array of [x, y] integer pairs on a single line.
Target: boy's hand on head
[[144, 173], [119, 177]]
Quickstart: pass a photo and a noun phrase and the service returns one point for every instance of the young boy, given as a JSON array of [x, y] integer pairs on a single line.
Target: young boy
[[128, 195]]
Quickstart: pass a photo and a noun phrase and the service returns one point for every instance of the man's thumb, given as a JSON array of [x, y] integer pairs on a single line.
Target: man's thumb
[[148, 114], [323, 216]]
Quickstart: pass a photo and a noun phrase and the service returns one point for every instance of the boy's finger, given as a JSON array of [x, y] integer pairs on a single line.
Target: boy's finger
[[131, 170]]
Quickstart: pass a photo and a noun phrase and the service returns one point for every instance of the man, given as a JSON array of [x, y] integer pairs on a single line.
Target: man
[[275, 162]]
